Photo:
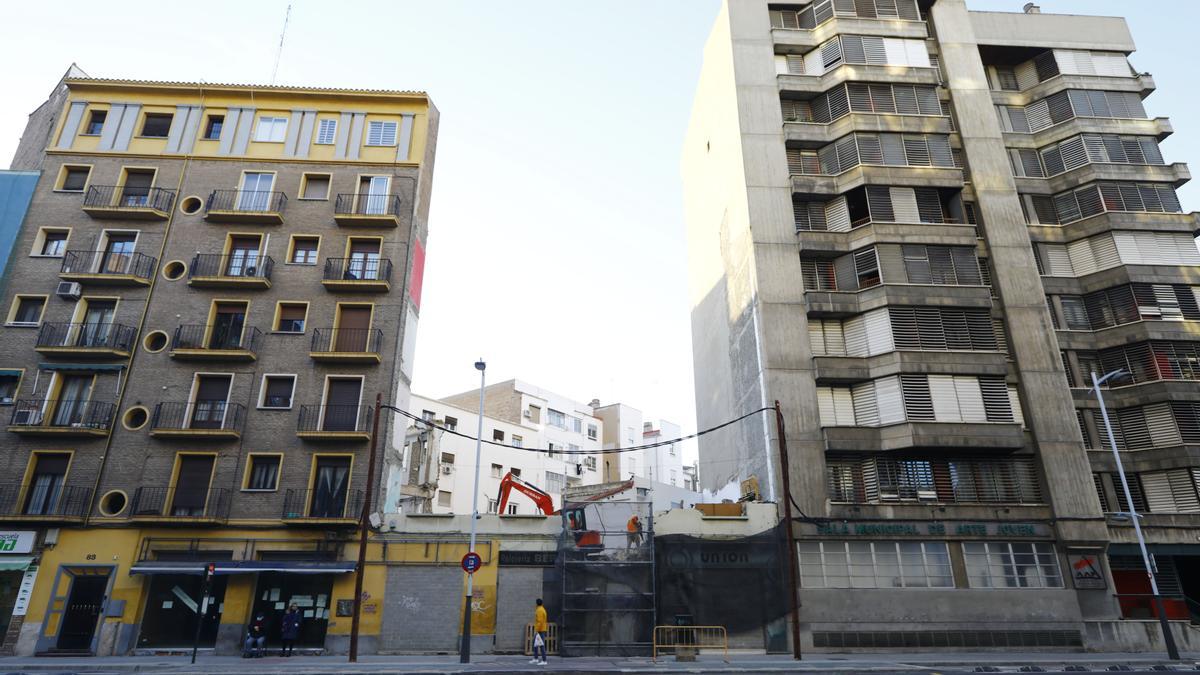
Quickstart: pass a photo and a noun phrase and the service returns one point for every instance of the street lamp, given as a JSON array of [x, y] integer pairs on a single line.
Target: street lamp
[[1168, 637], [464, 648]]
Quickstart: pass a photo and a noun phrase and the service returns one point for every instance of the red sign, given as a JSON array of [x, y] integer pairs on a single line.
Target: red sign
[[471, 562]]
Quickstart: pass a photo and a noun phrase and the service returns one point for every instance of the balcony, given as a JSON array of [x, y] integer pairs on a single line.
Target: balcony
[[358, 275], [934, 435], [61, 417], [86, 340], [251, 273], [44, 504], [335, 422], [346, 345], [354, 210], [256, 207], [215, 420], [130, 203], [103, 268], [197, 342], [322, 507], [180, 503]]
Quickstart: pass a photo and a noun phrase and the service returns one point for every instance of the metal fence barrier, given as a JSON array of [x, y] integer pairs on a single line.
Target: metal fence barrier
[[551, 639], [678, 638]]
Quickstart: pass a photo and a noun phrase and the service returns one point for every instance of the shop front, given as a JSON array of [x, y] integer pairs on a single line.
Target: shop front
[[17, 576]]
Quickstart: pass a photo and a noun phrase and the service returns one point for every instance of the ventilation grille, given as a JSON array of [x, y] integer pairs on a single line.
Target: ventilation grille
[[948, 638]]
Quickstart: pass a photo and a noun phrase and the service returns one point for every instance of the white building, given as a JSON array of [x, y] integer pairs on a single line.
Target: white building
[[657, 472]]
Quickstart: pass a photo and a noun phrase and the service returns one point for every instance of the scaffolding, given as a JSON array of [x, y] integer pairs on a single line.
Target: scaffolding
[[607, 566]]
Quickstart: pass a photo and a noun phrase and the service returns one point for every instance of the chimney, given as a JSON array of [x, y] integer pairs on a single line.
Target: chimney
[[595, 403], [1031, 8]]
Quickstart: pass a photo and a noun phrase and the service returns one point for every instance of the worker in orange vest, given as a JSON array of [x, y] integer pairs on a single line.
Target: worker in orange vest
[[633, 532]]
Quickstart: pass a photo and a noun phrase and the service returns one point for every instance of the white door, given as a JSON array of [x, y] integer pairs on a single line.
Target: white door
[[376, 200], [256, 192]]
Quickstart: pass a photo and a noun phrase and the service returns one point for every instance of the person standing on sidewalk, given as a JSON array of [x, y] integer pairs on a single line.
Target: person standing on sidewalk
[[289, 630], [541, 632]]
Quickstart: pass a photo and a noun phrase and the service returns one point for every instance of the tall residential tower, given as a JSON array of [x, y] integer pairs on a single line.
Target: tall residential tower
[[920, 228]]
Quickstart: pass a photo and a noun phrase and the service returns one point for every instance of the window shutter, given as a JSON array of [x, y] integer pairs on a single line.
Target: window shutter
[[904, 327], [1038, 114], [889, 400], [971, 403], [825, 409], [929, 328], [996, 400], [879, 204], [918, 403], [945, 399], [916, 264], [1161, 425], [1056, 260], [1157, 490], [1098, 420], [904, 202], [1187, 420], [866, 412], [893, 149], [881, 98], [831, 54], [1083, 430], [1075, 312], [860, 97], [847, 153], [816, 338], [1053, 159], [939, 151], [866, 265], [1059, 107], [852, 49], [1030, 164], [916, 151], [838, 104], [878, 332], [818, 275], [906, 99], [966, 267], [1027, 75], [854, 331], [1018, 120], [928, 205], [1183, 490], [837, 215], [869, 151], [927, 100]]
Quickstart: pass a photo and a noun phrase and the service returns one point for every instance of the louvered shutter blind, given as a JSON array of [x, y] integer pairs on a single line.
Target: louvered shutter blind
[[1026, 74], [918, 404], [852, 49], [1044, 210], [866, 411], [889, 400], [1075, 312], [928, 205], [1059, 107], [1046, 65], [927, 100], [904, 327], [904, 205], [966, 266], [818, 275], [879, 204], [1017, 119], [816, 338], [784, 19], [838, 104], [878, 332], [996, 399], [1098, 420], [1183, 490], [809, 215], [825, 409], [916, 264], [1083, 430], [866, 265], [875, 53], [1072, 154], [1014, 401], [1096, 478], [906, 99], [1028, 163], [1161, 424], [860, 97], [869, 150], [971, 402], [837, 215], [945, 398], [854, 331], [796, 111], [1052, 159], [893, 149], [1157, 489], [939, 151], [1187, 420], [1038, 115], [831, 54], [1055, 260]]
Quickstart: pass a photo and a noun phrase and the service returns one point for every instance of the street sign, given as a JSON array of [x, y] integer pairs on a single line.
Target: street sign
[[471, 562]]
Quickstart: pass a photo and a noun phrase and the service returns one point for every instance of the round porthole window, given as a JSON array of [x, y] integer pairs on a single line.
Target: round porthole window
[[155, 341], [113, 503], [174, 270], [135, 418], [191, 205]]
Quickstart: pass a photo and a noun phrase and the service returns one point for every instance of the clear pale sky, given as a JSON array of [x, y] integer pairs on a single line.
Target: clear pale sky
[[556, 246]]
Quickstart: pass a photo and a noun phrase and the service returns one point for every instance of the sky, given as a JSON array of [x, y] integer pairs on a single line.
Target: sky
[[556, 249]]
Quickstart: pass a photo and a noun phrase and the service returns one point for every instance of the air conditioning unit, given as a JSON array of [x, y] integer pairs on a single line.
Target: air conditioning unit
[[447, 470], [69, 290], [526, 414], [27, 418]]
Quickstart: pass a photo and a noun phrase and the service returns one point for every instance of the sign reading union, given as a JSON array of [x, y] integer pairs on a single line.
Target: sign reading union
[[933, 529]]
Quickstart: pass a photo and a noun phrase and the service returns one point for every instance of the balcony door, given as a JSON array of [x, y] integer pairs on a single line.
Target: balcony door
[[136, 191], [229, 320], [243, 257], [364, 260], [341, 404], [117, 256], [190, 494], [374, 193], [46, 484], [97, 323], [208, 407], [73, 397], [330, 485], [256, 191], [350, 334]]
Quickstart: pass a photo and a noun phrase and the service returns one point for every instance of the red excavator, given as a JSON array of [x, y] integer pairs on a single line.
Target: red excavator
[[584, 538]]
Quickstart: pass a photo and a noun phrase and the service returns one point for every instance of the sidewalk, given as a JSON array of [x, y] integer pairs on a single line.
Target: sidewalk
[[878, 664]]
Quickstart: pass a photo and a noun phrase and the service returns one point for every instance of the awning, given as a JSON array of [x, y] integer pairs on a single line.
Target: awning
[[89, 367], [11, 563], [1154, 549], [10, 372], [244, 567]]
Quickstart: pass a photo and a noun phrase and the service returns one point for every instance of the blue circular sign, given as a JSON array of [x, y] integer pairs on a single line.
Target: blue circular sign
[[471, 562]]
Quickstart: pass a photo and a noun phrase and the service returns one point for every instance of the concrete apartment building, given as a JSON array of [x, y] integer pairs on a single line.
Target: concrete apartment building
[[920, 227], [212, 283], [451, 462]]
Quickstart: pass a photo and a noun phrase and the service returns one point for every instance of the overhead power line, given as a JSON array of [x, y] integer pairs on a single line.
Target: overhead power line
[[608, 451]]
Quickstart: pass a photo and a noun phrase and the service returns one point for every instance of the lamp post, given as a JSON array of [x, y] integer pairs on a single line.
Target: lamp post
[[1168, 637], [464, 648]]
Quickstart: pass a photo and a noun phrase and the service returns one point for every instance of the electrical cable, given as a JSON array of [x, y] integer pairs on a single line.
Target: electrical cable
[[608, 451]]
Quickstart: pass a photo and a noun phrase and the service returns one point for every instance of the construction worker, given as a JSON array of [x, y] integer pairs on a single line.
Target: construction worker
[[633, 532], [541, 628]]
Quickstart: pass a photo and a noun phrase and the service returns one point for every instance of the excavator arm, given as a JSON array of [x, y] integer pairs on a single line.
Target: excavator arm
[[540, 498]]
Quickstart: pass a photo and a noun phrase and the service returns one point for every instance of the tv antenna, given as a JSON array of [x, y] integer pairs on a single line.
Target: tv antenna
[[279, 52]]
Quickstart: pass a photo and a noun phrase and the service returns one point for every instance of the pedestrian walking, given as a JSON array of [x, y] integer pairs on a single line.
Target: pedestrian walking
[[289, 630], [256, 636], [541, 630]]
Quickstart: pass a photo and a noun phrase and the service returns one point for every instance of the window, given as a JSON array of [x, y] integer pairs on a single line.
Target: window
[[212, 127], [46, 483], [497, 435], [555, 482], [1074, 312], [271, 130], [447, 458], [9, 381], [277, 391], [590, 463], [156, 125], [555, 418], [553, 449], [443, 498], [515, 472], [264, 472], [74, 178], [27, 310], [95, 123], [534, 413], [381, 133], [428, 415], [591, 432], [572, 448], [493, 505], [1011, 565], [497, 472], [326, 130], [576, 425], [866, 267], [517, 441], [304, 251], [673, 477], [52, 243], [316, 186], [291, 317], [875, 564], [512, 509], [451, 423]]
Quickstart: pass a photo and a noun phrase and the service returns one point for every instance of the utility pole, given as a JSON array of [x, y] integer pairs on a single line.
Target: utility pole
[[363, 524], [793, 591]]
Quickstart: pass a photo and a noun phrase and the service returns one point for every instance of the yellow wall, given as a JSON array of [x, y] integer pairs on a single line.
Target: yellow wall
[[277, 102]]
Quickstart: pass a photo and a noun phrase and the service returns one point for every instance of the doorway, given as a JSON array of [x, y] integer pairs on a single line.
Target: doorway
[[364, 260], [341, 404], [118, 253], [190, 493], [97, 323], [243, 257], [330, 487], [84, 606], [312, 594], [353, 326], [228, 322], [208, 410], [173, 607], [375, 191]]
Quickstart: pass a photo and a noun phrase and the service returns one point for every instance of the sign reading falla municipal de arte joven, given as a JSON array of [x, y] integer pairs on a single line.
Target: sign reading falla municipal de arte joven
[[932, 529]]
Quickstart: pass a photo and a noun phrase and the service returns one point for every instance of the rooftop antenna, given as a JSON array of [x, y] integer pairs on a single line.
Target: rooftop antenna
[[279, 52]]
